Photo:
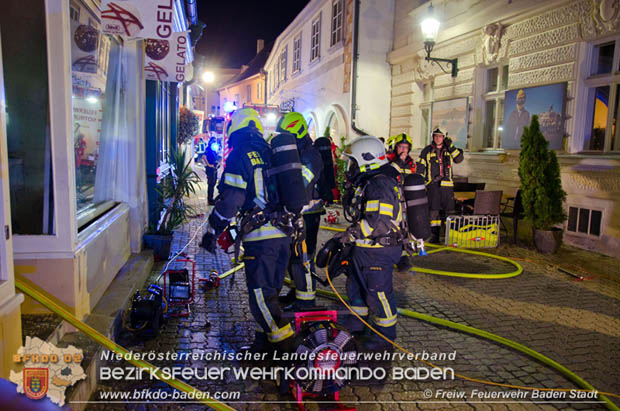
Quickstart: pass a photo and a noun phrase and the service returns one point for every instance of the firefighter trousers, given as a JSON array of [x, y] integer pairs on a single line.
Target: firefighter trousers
[[375, 295], [441, 203], [265, 268], [211, 173]]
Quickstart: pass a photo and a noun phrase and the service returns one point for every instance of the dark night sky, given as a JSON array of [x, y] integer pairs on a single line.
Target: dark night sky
[[229, 40]]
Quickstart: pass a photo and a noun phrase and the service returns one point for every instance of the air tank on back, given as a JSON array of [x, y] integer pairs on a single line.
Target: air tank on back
[[286, 170], [418, 218]]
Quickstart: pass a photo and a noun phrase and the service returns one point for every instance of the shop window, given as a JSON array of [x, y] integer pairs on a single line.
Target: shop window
[[259, 91], [337, 18], [297, 53], [248, 93], [425, 127], [495, 86], [315, 40], [584, 221], [24, 56], [603, 97], [90, 58]]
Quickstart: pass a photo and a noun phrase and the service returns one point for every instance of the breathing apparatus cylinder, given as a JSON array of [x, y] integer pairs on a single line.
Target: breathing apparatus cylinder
[[418, 218], [327, 181], [286, 169]]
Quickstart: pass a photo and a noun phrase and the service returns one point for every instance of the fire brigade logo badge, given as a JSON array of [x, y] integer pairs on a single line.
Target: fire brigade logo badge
[[36, 382]]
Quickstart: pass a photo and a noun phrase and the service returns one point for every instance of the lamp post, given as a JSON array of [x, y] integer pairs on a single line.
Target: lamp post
[[430, 29]]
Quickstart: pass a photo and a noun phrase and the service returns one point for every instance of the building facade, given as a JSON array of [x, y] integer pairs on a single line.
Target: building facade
[[329, 64], [557, 59]]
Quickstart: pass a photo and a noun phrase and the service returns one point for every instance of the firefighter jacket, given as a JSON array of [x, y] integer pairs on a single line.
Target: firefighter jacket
[[404, 167], [243, 185], [311, 169], [381, 213], [435, 164]]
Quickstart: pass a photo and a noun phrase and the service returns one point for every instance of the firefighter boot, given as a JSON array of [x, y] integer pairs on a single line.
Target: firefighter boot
[[259, 345], [300, 305], [288, 298], [435, 234], [403, 264]]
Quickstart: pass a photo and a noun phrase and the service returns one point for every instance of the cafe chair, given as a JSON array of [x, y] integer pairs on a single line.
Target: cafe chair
[[513, 208], [485, 203]]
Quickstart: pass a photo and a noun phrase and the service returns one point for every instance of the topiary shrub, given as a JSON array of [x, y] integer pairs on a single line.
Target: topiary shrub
[[541, 185]]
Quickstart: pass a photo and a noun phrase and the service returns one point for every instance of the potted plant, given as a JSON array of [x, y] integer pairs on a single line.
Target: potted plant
[[180, 182], [541, 188]]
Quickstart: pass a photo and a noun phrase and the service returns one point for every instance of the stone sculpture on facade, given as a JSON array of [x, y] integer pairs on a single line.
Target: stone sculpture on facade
[[491, 42]]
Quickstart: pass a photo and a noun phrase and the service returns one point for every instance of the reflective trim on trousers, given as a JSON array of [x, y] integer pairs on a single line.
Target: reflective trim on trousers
[[280, 334], [384, 322], [303, 295], [260, 300], [360, 310], [445, 183], [435, 223]]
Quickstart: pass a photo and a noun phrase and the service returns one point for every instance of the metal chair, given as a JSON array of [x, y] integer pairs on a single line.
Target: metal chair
[[513, 208]]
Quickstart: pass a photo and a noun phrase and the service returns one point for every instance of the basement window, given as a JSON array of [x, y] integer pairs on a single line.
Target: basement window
[[584, 221]]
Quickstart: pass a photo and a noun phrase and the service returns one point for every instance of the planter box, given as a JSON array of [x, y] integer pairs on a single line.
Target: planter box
[[160, 244], [548, 242]]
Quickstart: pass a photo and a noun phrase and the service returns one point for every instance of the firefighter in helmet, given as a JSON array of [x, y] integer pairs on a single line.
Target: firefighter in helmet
[[400, 146], [301, 266], [211, 157], [266, 246], [377, 236], [436, 166]]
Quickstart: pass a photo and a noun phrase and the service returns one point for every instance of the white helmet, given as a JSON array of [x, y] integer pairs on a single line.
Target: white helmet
[[367, 150]]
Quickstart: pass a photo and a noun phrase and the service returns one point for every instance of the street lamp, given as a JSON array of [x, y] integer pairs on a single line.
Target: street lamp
[[208, 77], [430, 29]]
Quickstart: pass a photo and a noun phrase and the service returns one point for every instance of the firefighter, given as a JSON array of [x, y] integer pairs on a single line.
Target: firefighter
[[301, 266], [377, 234], [436, 166], [266, 246], [400, 148], [211, 158]]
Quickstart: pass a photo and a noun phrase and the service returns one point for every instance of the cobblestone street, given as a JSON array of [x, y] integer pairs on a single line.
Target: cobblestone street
[[575, 323]]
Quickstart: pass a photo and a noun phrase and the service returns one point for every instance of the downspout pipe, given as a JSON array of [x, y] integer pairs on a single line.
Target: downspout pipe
[[192, 14], [356, 23]]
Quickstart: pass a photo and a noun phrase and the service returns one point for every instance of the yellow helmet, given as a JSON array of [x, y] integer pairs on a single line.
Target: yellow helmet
[[293, 123], [245, 117], [399, 138]]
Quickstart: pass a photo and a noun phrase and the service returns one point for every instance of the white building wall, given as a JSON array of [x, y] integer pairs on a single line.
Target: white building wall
[[321, 88], [374, 74]]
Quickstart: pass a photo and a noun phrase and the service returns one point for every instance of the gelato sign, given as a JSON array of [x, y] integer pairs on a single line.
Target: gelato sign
[[165, 59], [133, 19]]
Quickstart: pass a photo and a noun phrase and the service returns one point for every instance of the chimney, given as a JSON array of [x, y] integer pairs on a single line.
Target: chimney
[[260, 43]]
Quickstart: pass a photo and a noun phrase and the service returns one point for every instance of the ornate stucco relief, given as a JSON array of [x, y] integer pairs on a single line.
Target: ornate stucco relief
[[554, 74], [491, 42], [543, 58], [602, 17], [545, 40], [553, 18]]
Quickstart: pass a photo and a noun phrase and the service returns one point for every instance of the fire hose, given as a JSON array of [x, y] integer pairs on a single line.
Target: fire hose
[[584, 385]]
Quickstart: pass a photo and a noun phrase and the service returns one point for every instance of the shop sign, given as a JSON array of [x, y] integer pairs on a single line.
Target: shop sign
[[165, 59], [133, 19]]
